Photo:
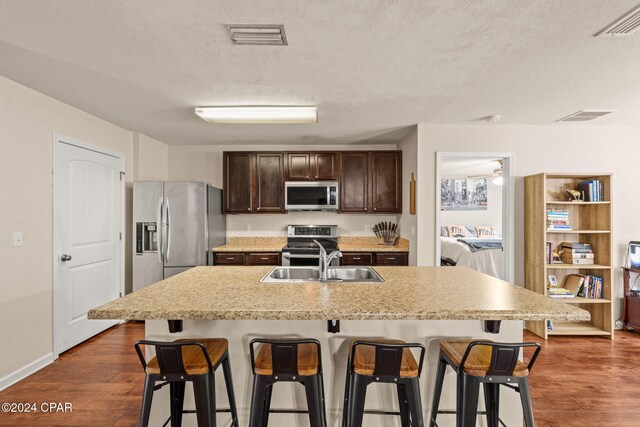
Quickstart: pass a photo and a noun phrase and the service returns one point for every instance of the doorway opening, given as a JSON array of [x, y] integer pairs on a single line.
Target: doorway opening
[[475, 212]]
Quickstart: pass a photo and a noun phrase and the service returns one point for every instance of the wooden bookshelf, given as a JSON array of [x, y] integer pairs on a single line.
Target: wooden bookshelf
[[591, 223]]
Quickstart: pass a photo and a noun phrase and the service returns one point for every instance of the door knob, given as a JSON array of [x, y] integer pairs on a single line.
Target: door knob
[[65, 258]]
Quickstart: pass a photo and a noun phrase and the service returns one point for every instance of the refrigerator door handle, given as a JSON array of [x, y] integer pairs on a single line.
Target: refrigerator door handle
[[161, 228], [167, 219]]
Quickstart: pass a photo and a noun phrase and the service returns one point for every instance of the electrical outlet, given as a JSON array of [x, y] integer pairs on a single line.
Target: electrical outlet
[[17, 238], [413, 230], [367, 227], [247, 227]]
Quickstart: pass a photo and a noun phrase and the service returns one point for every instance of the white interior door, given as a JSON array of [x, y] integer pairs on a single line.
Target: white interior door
[[87, 246]]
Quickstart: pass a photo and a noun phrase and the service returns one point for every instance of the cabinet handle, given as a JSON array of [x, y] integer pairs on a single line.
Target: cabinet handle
[[249, 209], [375, 209], [391, 258], [264, 258], [230, 258], [356, 257]]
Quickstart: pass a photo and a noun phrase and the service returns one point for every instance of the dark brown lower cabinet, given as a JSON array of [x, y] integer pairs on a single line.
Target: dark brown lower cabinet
[[246, 258], [375, 258]]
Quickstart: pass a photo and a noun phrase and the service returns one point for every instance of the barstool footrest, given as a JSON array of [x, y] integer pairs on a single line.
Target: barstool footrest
[[381, 412], [480, 413], [288, 411]]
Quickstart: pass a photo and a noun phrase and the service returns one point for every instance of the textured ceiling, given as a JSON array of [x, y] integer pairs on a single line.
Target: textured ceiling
[[373, 67]]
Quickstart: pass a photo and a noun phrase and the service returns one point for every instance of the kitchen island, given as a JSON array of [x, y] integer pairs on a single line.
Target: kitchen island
[[416, 304]]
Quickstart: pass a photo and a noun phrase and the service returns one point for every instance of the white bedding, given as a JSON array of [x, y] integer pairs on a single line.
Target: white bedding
[[487, 261]]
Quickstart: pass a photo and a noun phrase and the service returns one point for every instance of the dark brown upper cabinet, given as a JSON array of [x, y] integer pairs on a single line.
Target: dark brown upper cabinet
[[253, 182], [299, 166], [326, 166], [238, 182], [354, 185], [386, 181], [269, 194], [370, 181], [319, 166]]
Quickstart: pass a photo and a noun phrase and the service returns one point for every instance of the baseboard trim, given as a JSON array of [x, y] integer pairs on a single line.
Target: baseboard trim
[[25, 371]]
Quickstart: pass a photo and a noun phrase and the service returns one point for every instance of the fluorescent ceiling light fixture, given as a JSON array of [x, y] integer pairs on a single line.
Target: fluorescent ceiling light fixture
[[269, 114]]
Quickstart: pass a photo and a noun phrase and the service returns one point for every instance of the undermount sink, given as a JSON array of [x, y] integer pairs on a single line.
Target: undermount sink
[[312, 274]]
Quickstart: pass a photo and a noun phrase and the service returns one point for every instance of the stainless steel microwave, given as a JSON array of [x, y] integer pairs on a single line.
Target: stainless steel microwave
[[311, 196]]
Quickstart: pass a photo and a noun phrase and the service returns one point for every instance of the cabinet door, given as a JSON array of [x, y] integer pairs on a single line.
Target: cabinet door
[[354, 185], [269, 195], [226, 258], [299, 166], [392, 258], [237, 182], [353, 258], [325, 166], [386, 181], [264, 259]]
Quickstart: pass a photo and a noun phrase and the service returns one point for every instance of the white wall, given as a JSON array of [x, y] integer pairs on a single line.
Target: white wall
[[408, 222], [28, 120], [204, 163], [562, 147], [151, 159], [490, 216]]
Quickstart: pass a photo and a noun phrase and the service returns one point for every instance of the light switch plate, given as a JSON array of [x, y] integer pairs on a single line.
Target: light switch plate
[[17, 238]]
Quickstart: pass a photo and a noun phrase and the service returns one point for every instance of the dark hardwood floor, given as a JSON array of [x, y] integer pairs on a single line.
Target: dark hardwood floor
[[576, 382]]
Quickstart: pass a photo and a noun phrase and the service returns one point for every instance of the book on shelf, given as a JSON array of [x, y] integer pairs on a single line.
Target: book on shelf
[[578, 261], [555, 292], [558, 220], [592, 287], [576, 253], [592, 190], [575, 246]]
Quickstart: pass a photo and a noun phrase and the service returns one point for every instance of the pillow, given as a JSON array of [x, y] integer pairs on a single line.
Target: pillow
[[471, 231], [443, 231], [484, 231], [457, 231]]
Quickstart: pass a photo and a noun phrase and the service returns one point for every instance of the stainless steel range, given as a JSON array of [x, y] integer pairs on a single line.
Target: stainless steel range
[[301, 249]]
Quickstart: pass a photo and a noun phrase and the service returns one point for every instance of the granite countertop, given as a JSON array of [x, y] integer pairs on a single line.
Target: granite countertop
[[252, 244], [409, 293], [345, 244]]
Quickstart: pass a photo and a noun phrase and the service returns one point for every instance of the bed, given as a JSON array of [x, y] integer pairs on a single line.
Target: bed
[[484, 254]]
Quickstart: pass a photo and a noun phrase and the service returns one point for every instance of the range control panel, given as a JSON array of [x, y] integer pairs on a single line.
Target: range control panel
[[312, 231]]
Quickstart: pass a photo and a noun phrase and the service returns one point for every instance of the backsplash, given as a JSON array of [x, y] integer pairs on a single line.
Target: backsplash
[[276, 224]]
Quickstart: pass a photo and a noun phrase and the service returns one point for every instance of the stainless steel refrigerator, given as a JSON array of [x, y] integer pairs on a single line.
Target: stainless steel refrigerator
[[176, 224]]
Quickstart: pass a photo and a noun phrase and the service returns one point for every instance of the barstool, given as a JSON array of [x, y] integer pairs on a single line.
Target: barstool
[[291, 360], [384, 361], [490, 363], [194, 360]]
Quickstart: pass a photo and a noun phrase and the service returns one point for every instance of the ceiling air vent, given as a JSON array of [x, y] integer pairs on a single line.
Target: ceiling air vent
[[585, 115], [624, 26], [257, 34]]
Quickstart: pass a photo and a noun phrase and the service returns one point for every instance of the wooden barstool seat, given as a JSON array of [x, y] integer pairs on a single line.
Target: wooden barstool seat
[[193, 358], [364, 362], [491, 364], [286, 360], [383, 361], [479, 360], [307, 359]]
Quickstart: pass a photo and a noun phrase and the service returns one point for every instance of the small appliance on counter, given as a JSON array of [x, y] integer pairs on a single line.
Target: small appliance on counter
[[302, 251], [175, 226]]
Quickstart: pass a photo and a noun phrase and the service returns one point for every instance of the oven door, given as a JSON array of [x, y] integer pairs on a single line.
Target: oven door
[[304, 260]]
